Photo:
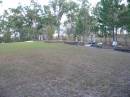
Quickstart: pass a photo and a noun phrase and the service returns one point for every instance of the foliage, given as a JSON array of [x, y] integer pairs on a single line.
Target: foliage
[[84, 20], [7, 37], [125, 16], [108, 14], [34, 20]]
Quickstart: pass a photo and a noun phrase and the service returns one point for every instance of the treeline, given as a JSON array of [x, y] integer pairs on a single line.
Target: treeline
[[112, 15], [35, 21]]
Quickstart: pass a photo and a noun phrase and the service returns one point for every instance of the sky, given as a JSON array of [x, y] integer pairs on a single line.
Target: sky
[[14, 3]]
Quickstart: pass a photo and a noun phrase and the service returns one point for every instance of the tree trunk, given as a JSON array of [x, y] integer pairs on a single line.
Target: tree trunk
[[105, 36], [113, 34], [58, 32], [116, 34]]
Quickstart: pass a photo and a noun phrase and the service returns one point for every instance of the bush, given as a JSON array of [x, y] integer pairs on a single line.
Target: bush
[[7, 37]]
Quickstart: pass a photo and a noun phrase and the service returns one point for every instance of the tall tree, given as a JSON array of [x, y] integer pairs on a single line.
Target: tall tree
[[108, 12], [72, 14], [128, 16], [59, 8], [83, 23], [49, 22]]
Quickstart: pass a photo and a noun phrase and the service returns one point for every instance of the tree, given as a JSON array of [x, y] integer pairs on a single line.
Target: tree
[[49, 22], [72, 14], [5, 27], [83, 22], [16, 19], [107, 12], [128, 15], [124, 18], [59, 8]]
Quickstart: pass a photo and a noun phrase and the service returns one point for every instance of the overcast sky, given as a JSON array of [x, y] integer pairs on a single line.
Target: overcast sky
[[13, 3]]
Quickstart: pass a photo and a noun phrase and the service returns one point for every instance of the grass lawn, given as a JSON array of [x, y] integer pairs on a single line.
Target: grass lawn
[[41, 69]]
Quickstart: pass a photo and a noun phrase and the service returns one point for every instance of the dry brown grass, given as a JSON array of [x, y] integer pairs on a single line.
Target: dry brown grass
[[59, 70]]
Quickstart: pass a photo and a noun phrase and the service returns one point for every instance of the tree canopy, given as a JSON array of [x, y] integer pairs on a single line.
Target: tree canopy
[[34, 20]]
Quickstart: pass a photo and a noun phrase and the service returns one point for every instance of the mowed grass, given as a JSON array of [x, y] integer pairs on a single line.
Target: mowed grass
[[16, 47], [41, 69]]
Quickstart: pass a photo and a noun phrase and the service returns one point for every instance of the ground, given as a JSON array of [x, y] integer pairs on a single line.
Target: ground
[[41, 69]]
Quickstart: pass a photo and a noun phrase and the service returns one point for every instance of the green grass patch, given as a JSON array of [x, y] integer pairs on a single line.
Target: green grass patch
[[26, 46]]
